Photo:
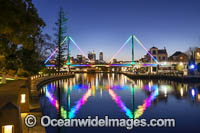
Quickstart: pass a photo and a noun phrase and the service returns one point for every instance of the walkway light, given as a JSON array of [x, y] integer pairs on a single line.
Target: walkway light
[[23, 98], [8, 129]]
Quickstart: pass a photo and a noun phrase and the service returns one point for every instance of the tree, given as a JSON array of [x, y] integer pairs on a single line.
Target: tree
[[60, 34], [19, 28], [44, 46]]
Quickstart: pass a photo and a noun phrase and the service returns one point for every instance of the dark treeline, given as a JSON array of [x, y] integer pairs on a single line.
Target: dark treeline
[[23, 46]]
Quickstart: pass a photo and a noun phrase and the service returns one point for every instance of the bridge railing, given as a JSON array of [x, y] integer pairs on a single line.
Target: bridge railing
[[35, 77]]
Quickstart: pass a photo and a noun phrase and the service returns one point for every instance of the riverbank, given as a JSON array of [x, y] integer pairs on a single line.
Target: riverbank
[[22, 97], [9, 91], [170, 77]]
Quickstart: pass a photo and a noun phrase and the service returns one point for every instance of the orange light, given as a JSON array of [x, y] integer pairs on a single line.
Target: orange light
[[198, 96], [8, 129]]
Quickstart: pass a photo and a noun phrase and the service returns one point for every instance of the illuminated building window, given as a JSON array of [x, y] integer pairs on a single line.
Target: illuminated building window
[[198, 54], [8, 129], [181, 58], [198, 97], [23, 98]]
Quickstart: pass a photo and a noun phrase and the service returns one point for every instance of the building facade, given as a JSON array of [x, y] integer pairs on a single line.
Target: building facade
[[178, 56], [159, 54], [92, 56], [197, 55]]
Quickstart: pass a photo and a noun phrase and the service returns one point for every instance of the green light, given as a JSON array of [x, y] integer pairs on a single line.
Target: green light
[[132, 63], [68, 63]]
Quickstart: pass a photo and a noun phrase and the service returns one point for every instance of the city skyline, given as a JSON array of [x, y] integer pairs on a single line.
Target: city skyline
[[169, 24]]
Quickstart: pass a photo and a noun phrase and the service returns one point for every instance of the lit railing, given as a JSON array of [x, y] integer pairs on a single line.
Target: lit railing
[[35, 77]]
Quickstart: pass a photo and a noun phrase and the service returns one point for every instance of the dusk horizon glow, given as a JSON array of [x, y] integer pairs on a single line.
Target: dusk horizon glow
[[106, 25]]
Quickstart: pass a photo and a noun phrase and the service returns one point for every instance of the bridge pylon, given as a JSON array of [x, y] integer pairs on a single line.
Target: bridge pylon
[[132, 36], [68, 51]]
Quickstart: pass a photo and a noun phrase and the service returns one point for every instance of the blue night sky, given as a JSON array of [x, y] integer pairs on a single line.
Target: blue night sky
[[104, 25]]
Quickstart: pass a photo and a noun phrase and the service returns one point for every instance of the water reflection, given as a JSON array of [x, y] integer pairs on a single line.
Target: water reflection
[[126, 93]]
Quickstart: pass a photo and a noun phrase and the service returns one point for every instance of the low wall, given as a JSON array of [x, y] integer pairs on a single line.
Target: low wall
[[39, 82]]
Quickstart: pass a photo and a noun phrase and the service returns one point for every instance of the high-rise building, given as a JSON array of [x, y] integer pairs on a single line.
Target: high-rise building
[[94, 55], [79, 58], [101, 56], [90, 55], [84, 59]]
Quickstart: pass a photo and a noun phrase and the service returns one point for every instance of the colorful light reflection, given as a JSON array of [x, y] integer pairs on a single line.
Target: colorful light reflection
[[72, 113], [119, 102], [139, 112], [79, 104], [51, 98], [147, 102]]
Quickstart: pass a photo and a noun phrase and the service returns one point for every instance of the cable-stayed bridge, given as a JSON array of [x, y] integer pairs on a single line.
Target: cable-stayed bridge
[[132, 63]]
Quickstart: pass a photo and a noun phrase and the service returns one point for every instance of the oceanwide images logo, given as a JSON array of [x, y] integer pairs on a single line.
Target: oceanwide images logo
[[46, 121]]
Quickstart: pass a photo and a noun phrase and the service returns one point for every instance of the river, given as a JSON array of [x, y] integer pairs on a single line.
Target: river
[[117, 96]]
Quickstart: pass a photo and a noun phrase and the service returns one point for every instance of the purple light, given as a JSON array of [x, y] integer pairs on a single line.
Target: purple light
[[120, 103], [79, 104], [51, 98], [55, 50], [51, 55], [139, 42], [80, 65], [120, 64], [79, 48], [147, 103], [119, 87]]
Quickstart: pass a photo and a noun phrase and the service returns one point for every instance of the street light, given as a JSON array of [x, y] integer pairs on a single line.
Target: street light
[[192, 67]]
